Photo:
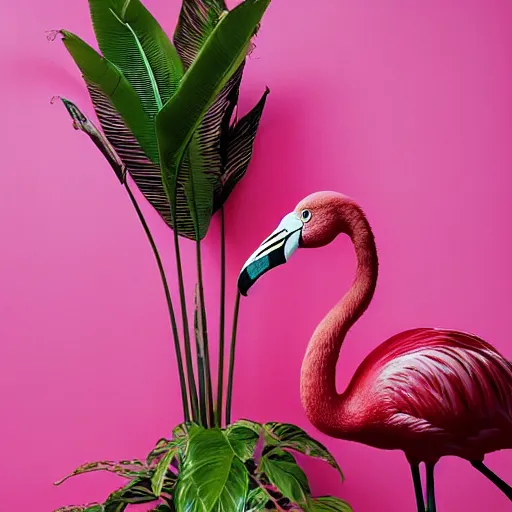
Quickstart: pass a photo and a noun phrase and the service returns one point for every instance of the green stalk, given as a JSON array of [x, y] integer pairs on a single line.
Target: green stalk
[[198, 328], [220, 378], [184, 317], [206, 353], [172, 316], [232, 360]]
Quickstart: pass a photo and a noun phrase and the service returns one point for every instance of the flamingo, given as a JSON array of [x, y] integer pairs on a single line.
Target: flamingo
[[427, 392]]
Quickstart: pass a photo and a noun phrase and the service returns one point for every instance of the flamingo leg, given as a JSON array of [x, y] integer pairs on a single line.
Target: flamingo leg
[[416, 477], [431, 499], [495, 479]]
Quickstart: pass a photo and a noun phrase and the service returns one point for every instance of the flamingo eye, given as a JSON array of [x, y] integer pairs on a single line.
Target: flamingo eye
[[305, 216]]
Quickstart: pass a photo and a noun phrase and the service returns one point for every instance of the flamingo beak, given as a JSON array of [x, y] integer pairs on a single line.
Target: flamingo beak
[[274, 251]]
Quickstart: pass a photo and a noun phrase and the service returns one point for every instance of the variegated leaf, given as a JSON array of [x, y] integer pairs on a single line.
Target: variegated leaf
[[252, 425], [181, 436], [284, 436], [182, 433], [232, 498], [81, 122], [286, 476], [243, 437], [92, 507], [161, 448], [164, 507], [329, 504], [147, 175], [221, 55], [238, 151], [106, 77], [196, 22], [124, 468], [136, 492], [144, 172], [257, 500], [201, 168], [158, 478], [230, 113]]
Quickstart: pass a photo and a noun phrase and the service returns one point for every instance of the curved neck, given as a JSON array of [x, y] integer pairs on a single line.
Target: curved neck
[[321, 401]]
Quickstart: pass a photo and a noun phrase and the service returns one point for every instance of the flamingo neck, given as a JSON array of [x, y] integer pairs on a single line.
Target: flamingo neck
[[324, 406]]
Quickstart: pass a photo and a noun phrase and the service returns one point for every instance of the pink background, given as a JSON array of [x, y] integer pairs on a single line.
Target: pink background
[[406, 107]]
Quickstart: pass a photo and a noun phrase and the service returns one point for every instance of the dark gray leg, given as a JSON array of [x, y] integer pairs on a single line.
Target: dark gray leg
[[431, 498], [495, 479], [416, 477]]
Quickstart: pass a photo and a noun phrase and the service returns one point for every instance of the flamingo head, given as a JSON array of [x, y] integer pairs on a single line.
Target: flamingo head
[[315, 222]]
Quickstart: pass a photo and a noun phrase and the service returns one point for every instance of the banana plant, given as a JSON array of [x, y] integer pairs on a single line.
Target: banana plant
[[167, 117], [168, 122], [142, 84]]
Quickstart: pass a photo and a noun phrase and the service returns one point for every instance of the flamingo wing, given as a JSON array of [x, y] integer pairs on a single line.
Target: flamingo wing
[[439, 382]]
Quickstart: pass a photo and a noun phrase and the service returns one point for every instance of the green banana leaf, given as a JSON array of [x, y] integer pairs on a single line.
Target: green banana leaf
[[144, 172], [197, 20], [121, 149], [101, 74], [130, 37], [218, 60], [135, 43], [238, 151], [208, 137], [137, 53]]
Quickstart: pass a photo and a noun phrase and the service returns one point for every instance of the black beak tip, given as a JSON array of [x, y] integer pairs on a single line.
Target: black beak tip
[[244, 283], [252, 272]]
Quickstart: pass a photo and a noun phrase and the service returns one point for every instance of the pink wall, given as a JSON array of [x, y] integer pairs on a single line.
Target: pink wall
[[407, 108]]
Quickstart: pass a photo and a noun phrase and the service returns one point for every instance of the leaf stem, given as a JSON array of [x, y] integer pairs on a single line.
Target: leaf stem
[[232, 359], [186, 333], [207, 371], [220, 377], [201, 380], [172, 316]]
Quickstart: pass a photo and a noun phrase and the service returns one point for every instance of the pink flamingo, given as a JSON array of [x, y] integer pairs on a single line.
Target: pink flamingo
[[427, 392]]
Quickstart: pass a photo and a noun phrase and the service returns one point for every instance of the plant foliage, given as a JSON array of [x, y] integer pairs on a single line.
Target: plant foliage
[[167, 115], [166, 110], [218, 470]]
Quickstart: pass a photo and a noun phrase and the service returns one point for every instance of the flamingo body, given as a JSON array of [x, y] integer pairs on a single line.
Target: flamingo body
[[427, 392], [430, 393]]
